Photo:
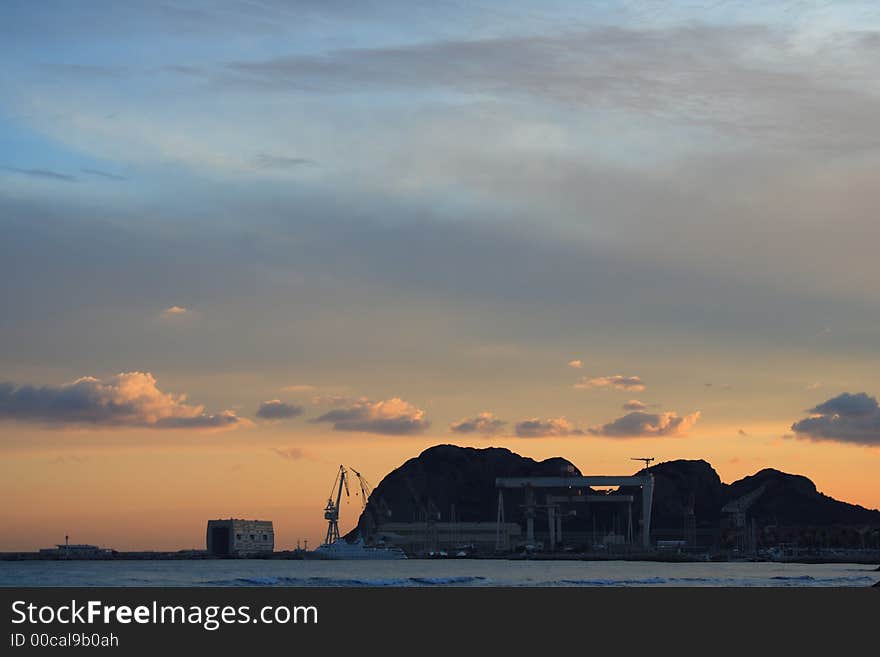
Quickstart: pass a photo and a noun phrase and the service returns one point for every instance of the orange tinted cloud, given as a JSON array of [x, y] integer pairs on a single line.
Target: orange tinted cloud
[[638, 424], [289, 453], [173, 311], [130, 399], [390, 416], [616, 381]]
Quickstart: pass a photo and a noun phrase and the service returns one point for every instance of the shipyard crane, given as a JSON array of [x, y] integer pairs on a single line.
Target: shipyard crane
[[646, 459], [331, 511]]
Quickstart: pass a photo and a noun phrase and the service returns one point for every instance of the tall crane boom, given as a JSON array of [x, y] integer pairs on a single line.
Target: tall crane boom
[[365, 487]]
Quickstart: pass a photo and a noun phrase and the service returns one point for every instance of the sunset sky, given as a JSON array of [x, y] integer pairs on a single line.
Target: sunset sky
[[246, 241]]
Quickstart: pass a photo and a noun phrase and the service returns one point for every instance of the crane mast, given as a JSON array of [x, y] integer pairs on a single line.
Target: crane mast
[[331, 511]]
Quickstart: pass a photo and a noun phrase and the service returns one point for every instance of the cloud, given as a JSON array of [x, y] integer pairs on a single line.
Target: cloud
[[742, 80], [634, 405], [264, 161], [102, 174], [42, 173], [616, 381], [639, 424], [848, 405], [390, 417], [477, 273], [174, 311], [129, 399], [289, 453], [485, 423], [303, 387], [576, 364], [847, 418], [538, 428], [275, 409]]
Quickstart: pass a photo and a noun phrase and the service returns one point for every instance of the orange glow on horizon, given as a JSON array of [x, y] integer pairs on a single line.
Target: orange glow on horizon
[[160, 495]]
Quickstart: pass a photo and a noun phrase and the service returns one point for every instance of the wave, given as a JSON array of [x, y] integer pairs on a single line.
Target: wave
[[609, 582], [645, 581], [828, 581], [441, 581], [348, 582], [780, 580]]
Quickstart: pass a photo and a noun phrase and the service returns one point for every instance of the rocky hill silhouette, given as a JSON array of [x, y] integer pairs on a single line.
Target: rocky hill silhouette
[[447, 479]]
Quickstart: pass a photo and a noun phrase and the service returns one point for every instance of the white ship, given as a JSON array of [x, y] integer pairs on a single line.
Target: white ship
[[336, 547], [342, 549]]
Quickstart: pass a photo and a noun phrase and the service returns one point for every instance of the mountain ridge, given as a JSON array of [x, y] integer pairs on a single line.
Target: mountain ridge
[[447, 479]]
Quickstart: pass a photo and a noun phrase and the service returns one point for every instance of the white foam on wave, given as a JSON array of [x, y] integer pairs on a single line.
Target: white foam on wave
[[464, 580]]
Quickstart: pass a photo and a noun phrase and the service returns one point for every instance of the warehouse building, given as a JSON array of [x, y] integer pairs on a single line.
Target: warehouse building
[[240, 538]]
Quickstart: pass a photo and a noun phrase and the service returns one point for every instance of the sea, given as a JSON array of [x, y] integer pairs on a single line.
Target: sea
[[431, 572]]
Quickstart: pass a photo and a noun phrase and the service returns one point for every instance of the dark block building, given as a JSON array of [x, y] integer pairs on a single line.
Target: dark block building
[[240, 538]]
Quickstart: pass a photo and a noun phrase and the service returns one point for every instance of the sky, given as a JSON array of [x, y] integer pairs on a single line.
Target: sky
[[247, 241]]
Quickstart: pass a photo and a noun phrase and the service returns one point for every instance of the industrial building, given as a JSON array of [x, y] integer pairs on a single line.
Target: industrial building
[[240, 538], [573, 487], [449, 537]]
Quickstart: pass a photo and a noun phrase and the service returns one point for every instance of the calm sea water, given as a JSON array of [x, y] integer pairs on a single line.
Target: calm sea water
[[416, 572]]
